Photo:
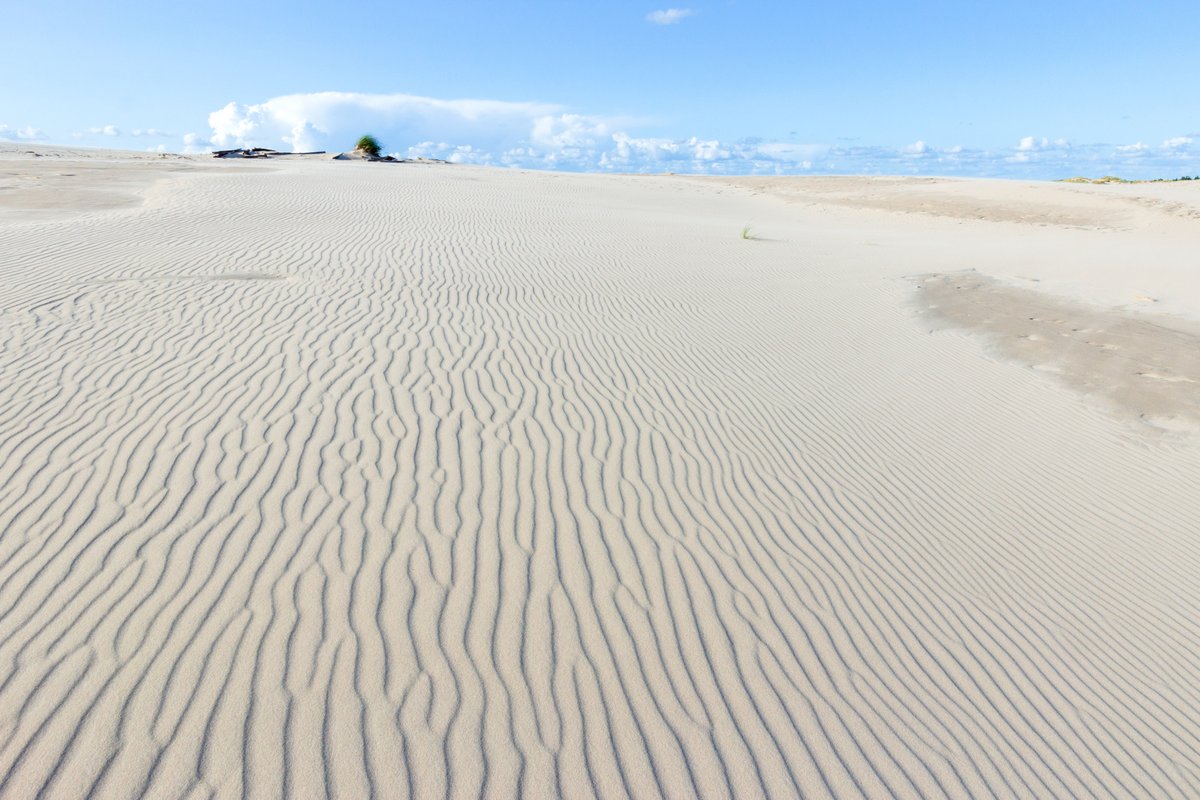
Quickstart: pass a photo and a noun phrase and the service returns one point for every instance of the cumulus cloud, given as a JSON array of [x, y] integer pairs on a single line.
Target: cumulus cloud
[[454, 153], [1031, 144], [25, 134], [1031, 149], [195, 143], [669, 16], [334, 120]]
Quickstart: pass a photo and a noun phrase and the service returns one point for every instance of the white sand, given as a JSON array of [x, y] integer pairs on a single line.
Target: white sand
[[352, 479]]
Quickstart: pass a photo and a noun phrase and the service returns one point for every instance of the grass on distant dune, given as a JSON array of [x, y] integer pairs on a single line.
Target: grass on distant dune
[[369, 145]]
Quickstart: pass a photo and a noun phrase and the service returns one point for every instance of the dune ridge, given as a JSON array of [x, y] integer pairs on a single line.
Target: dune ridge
[[331, 480]]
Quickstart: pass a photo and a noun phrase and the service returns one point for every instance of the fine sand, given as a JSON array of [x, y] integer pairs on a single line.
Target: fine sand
[[380, 480]]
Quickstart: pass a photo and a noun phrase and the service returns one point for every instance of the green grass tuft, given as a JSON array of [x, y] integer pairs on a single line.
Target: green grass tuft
[[369, 145]]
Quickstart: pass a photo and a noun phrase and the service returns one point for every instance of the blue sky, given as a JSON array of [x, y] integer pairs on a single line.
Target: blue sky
[[1017, 88]]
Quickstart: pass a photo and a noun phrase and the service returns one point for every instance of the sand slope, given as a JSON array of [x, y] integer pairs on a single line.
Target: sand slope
[[331, 479]]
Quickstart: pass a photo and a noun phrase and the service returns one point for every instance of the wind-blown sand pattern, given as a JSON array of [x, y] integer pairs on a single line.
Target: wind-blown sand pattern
[[324, 479]]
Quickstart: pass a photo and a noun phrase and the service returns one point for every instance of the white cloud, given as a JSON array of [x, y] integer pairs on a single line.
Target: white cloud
[[568, 130], [195, 143], [1032, 150], [456, 154], [1177, 142], [113, 131], [669, 16], [789, 151], [1032, 143], [103, 130], [25, 134], [232, 126]]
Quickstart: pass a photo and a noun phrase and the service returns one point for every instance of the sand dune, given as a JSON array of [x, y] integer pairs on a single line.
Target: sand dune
[[341, 479]]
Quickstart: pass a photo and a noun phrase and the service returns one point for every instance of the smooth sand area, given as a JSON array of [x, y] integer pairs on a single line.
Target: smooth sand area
[[372, 480]]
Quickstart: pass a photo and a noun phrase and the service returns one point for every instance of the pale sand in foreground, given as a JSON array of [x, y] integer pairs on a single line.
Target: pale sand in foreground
[[367, 480]]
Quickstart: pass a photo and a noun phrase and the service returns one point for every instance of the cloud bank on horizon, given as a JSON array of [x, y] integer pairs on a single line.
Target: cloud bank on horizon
[[25, 133], [535, 135], [547, 136]]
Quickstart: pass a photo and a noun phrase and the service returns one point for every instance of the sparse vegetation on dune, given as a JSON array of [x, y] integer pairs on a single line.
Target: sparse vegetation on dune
[[1115, 179], [369, 145]]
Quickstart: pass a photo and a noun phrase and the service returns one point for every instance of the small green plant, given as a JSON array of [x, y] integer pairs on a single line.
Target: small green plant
[[369, 145], [747, 233]]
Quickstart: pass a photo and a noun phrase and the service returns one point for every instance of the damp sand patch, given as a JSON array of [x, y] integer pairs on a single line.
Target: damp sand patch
[[1149, 367]]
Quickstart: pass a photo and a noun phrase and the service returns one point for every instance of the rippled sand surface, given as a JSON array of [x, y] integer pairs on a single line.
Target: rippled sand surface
[[371, 480]]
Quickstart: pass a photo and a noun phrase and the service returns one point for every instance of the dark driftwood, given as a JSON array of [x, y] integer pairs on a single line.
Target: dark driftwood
[[358, 155], [259, 152], [266, 152]]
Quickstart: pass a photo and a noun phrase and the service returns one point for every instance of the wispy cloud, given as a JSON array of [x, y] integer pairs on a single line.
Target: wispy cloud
[[113, 132], [25, 134], [669, 16]]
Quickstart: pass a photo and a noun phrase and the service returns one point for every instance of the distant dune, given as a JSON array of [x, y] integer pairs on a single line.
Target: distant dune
[[323, 479]]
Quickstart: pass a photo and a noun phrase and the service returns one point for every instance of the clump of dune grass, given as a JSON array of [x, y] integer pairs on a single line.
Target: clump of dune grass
[[369, 145], [1105, 179], [1115, 179], [747, 233]]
